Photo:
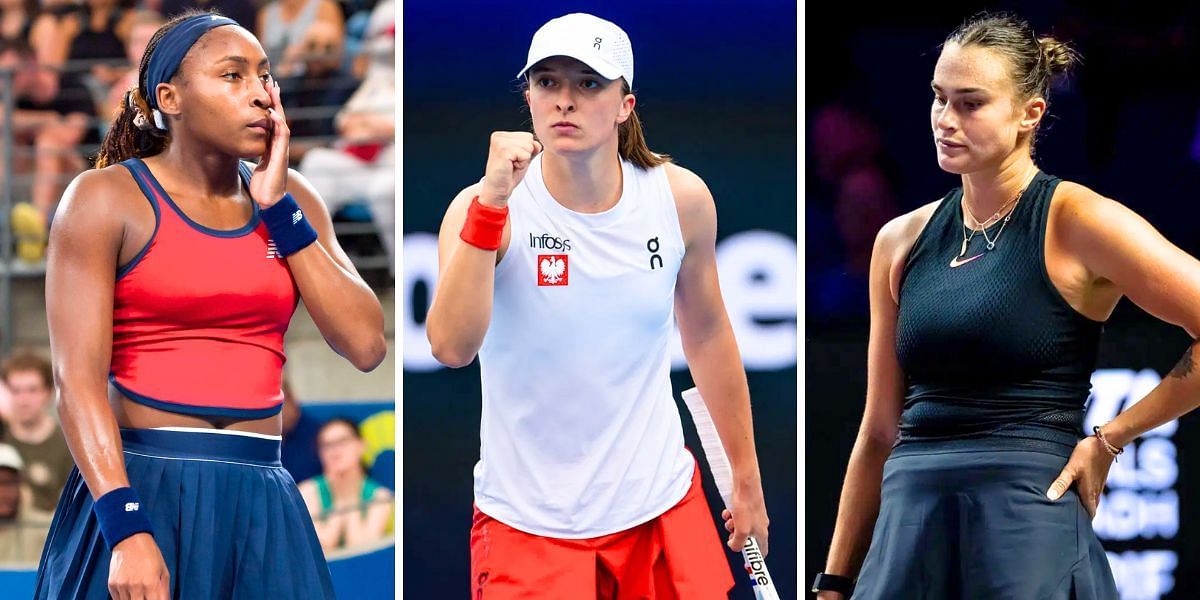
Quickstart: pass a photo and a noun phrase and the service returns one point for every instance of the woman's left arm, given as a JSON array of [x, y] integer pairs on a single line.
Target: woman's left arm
[[712, 353], [341, 304], [1119, 248]]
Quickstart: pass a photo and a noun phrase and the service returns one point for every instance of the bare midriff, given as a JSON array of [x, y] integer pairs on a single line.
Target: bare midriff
[[132, 415]]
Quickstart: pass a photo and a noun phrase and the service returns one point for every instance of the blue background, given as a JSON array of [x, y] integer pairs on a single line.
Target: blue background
[[716, 88]]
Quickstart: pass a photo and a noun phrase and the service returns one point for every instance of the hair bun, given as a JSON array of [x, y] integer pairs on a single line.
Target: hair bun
[[1058, 56]]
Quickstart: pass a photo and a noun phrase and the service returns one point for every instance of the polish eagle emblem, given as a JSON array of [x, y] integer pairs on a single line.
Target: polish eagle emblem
[[553, 268]]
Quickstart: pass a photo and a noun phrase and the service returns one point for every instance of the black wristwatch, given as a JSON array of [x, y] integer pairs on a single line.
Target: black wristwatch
[[833, 583]]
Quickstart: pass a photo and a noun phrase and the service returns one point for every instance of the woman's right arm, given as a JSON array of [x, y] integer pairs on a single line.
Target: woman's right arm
[[462, 303], [859, 503], [366, 529], [85, 241]]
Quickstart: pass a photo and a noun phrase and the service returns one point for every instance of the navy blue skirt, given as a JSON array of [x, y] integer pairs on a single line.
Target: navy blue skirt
[[227, 517], [971, 520]]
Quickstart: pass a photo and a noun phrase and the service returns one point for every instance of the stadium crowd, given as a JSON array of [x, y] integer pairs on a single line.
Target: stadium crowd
[[71, 62], [68, 64]]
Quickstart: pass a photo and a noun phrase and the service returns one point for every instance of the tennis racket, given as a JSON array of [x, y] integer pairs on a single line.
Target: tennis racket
[[718, 463]]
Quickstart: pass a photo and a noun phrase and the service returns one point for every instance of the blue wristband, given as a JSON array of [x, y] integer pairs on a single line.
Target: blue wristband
[[120, 515], [290, 231]]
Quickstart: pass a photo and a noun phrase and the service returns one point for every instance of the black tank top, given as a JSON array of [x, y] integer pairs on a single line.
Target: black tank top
[[90, 44], [990, 346]]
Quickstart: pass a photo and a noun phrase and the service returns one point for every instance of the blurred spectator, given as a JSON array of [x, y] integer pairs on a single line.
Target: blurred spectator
[[98, 33], [142, 26], [22, 532], [49, 32], [842, 140], [358, 17], [16, 19], [52, 118], [1157, 42], [375, 57], [864, 205], [849, 199], [352, 7], [348, 509], [32, 431], [283, 27], [311, 77], [298, 454], [360, 166], [378, 433], [242, 11]]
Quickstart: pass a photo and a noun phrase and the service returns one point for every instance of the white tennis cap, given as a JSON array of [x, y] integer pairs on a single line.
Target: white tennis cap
[[591, 40]]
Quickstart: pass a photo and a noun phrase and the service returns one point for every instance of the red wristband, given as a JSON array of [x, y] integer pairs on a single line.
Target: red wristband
[[484, 227]]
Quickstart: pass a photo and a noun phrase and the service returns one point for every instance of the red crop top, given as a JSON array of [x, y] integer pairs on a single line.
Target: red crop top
[[199, 314]]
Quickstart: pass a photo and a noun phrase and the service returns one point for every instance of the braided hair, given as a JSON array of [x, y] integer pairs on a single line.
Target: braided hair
[[133, 132]]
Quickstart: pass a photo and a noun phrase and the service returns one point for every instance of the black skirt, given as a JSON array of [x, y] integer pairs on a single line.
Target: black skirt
[[958, 521]]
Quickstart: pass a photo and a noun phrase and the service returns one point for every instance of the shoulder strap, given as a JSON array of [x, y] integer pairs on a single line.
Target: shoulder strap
[[669, 208], [943, 211], [368, 490], [324, 493], [142, 176], [246, 172]]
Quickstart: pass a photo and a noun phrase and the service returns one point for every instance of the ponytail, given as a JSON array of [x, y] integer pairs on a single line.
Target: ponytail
[[134, 132], [631, 141]]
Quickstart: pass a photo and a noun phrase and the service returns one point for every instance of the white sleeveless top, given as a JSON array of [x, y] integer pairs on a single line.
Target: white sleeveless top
[[580, 435]]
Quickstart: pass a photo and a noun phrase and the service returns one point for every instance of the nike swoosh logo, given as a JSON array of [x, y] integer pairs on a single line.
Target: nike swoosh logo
[[954, 262]]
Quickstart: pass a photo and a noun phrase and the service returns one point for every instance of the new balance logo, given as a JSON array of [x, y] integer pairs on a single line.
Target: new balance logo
[[296, 216], [132, 506], [272, 251]]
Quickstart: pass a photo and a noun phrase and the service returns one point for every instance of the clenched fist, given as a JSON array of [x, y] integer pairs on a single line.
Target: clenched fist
[[508, 160]]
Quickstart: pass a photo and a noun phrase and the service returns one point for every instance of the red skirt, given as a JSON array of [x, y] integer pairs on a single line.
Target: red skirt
[[675, 556]]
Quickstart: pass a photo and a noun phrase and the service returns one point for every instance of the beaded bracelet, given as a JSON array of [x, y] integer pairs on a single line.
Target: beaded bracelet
[[1113, 450]]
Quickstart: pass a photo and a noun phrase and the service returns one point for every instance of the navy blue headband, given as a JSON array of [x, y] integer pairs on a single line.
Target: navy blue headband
[[171, 49]]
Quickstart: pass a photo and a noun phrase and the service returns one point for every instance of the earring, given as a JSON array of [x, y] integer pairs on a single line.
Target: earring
[[158, 120]]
